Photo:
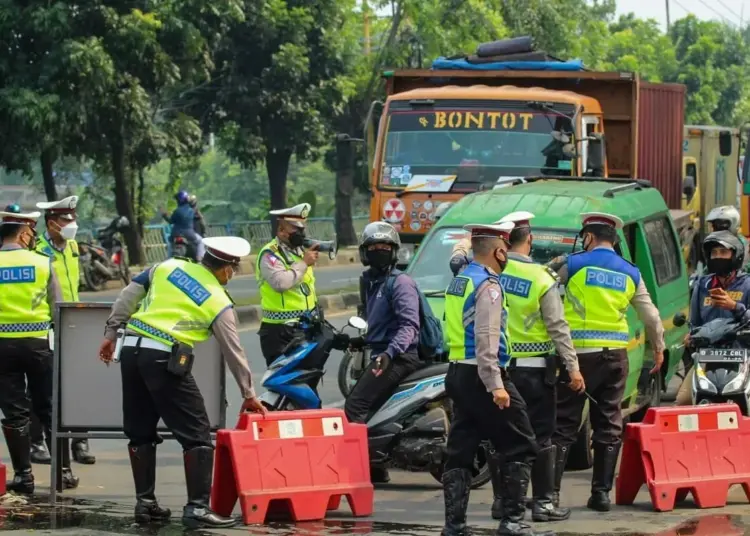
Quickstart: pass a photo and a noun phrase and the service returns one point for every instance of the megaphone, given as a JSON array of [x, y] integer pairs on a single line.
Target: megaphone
[[324, 246]]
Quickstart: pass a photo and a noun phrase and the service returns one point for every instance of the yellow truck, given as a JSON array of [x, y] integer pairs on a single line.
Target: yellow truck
[[710, 159]]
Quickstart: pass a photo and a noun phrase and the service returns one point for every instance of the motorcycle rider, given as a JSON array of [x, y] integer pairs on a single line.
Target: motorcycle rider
[[537, 327], [727, 218], [723, 293], [392, 329], [182, 222], [486, 403], [199, 224], [58, 242]]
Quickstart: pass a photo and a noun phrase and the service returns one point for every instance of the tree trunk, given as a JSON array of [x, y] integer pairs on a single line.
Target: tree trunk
[[48, 174], [277, 167], [141, 195], [123, 203], [344, 189]]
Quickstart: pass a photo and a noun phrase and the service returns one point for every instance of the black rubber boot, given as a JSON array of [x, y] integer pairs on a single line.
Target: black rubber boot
[[543, 486], [515, 485], [561, 460], [68, 480], [81, 452], [379, 474], [19, 448], [456, 488], [40, 454], [143, 464], [199, 466], [495, 462], [605, 462]]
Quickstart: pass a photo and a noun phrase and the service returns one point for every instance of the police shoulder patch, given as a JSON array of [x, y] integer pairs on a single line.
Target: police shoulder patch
[[457, 286], [552, 273]]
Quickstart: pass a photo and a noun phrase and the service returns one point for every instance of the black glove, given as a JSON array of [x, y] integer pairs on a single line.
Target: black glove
[[357, 343], [341, 341]]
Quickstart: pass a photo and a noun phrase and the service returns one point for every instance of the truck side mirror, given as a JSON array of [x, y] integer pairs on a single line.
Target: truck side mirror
[[725, 143], [597, 156], [688, 187]]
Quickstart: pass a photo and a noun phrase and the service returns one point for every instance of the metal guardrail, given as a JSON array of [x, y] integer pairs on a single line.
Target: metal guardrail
[[258, 233]]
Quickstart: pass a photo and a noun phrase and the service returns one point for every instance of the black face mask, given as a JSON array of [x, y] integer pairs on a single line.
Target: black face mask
[[296, 239], [720, 267], [504, 262], [380, 259]]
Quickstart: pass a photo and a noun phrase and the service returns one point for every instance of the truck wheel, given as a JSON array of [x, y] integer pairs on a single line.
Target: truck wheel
[[581, 457]]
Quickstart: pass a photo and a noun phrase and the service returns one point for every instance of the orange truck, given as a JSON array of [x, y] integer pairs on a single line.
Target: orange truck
[[444, 134]]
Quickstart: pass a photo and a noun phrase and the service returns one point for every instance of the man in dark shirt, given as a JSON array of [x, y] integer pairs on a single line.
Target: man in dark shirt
[[199, 224], [392, 331]]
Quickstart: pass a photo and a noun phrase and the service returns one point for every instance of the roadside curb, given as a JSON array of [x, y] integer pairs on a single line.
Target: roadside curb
[[331, 303]]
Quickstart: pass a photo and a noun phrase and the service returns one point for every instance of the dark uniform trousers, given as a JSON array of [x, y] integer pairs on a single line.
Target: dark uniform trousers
[[274, 339], [476, 417], [150, 392], [605, 374], [540, 400], [25, 361], [371, 392]]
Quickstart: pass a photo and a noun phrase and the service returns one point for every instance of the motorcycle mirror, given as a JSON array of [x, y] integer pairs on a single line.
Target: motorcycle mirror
[[358, 323], [679, 320]]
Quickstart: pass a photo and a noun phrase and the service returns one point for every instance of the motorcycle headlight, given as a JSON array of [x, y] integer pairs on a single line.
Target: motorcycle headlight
[[737, 382], [703, 383]]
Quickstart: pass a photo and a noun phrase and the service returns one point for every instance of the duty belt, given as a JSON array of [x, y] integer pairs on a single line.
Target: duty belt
[[528, 362], [283, 315], [535, 347]]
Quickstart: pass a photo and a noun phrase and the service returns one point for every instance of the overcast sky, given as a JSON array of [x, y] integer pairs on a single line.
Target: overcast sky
[[729, 11]]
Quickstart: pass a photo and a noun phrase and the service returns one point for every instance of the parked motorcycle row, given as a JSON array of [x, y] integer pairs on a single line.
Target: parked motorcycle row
[[106, 260]]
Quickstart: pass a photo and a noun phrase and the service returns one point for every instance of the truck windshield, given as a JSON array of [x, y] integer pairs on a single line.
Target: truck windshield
[[431, 270], [460, 149]]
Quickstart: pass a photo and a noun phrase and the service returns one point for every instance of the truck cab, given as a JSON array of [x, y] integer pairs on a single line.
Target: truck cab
[[649, 240]]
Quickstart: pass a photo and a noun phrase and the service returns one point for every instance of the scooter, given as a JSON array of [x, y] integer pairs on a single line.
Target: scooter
[[408, 432], [181, 247], [721, 363], [105, 262]]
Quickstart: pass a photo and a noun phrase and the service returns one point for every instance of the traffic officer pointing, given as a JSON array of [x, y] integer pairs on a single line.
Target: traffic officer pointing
[[285, 280], [181, 304], [58, 241], [28, 292], [538, 333], [600, 286], [486, 403]]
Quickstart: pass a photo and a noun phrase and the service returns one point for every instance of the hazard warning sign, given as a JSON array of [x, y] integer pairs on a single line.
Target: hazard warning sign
[[394, 211]]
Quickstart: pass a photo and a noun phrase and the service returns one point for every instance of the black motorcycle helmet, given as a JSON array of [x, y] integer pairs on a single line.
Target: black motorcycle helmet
[[725, 239], [379, 232]]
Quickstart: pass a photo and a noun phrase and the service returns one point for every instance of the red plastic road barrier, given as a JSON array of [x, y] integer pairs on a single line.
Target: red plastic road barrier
[[304, 461], [2, 479], [698, 449]]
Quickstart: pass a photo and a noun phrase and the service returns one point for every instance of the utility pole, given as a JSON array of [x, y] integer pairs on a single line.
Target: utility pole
[[666, 3], [366, 22]]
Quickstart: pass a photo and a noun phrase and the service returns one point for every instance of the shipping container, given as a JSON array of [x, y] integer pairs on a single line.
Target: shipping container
[[643, 122], [661, 111]]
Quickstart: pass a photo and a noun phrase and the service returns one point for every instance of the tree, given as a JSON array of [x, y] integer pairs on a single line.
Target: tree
[[281, 71]]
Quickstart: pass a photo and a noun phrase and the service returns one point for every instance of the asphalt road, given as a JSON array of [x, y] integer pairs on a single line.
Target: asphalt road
[[241, 287]]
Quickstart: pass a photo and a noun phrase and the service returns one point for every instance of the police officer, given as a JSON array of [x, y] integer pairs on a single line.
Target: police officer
[[486, 403], [600, 285], [723, 293], [537, 328], [284, 271], [181, 304], [58, 242], [28, 292]]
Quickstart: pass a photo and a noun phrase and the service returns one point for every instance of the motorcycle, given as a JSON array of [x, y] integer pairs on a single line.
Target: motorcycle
[[408, 432], [720, 363], [351, 367], [105, 262], [181, 247]]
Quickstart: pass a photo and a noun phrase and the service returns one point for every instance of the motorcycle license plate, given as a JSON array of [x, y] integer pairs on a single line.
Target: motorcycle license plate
[[722, 354]]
